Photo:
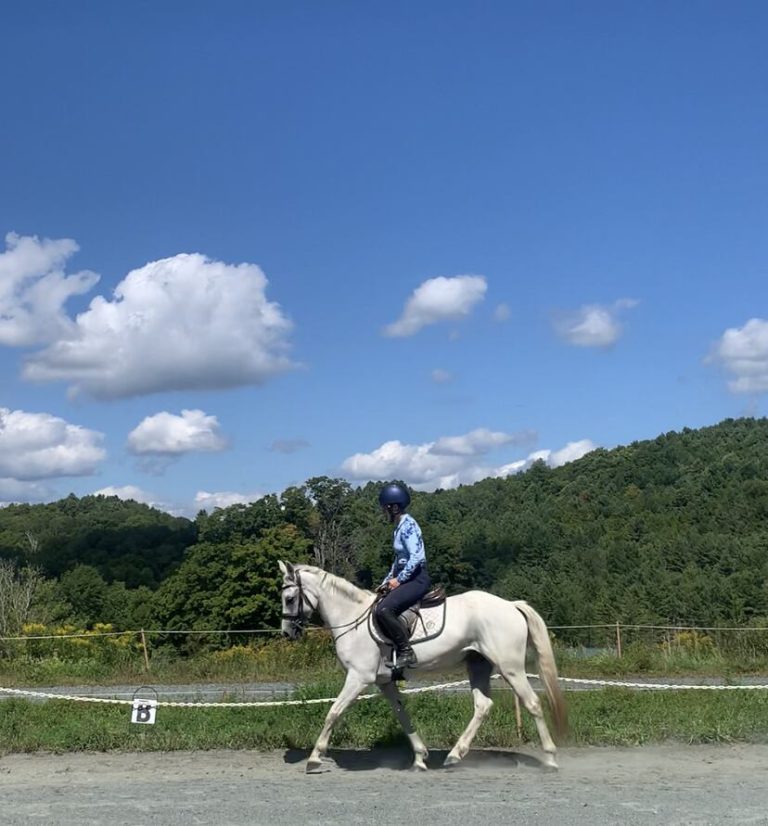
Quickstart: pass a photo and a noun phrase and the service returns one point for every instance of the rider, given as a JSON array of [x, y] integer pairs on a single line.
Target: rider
[[407, 581]]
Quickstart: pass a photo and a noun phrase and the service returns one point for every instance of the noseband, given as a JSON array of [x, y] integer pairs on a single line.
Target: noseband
[[300, 618]]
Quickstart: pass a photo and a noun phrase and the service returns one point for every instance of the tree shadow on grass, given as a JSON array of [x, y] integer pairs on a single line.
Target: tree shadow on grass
[[401, 759]]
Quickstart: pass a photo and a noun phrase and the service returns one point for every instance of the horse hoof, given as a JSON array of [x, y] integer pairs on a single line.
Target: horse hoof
[[317, 767], [451, 761], [550, 765], [418, 767]]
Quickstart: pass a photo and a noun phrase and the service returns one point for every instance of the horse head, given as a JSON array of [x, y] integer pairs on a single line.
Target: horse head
[[298, 606]]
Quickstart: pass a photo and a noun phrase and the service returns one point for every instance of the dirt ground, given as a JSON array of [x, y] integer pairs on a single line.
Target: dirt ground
[[669, 784]]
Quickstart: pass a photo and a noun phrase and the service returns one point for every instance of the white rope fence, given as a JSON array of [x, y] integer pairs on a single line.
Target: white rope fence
[[661, 686], [23, 692]]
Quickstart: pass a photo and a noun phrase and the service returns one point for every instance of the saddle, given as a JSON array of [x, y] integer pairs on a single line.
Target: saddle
[[432, 598], [424, 620]]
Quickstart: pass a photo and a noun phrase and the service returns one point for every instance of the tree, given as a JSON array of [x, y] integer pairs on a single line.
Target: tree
[[123, 540], [231, 585], [672, 528], [240, 521], [85, 589], [18, 589], [296, 508], [252, 588], [331, 546]]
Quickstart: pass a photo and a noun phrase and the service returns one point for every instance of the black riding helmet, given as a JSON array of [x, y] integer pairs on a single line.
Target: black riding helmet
[[394, 495]]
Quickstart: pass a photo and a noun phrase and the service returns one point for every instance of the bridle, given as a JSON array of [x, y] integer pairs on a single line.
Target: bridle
[[300, 618]]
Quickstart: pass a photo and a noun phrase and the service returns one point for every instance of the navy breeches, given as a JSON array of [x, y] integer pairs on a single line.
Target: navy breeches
[[406, 594]]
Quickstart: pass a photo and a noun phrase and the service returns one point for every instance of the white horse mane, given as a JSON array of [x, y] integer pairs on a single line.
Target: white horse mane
[[337, 583]]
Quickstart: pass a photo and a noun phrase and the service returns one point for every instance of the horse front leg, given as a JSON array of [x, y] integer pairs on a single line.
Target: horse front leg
[[353, 685], [420, 753]]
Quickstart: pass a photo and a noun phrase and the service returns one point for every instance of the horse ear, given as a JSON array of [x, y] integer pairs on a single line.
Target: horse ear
[[286, 569]]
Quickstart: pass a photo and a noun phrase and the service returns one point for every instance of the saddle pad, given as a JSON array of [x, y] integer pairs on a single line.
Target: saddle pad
[[423, 624]]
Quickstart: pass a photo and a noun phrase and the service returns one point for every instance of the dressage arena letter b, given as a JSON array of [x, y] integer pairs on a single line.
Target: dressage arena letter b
[[144, 711]]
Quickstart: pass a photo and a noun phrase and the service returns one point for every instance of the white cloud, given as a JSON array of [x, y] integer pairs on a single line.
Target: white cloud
[[517, 466], [182, 323], [34, 289], [570, 453], [554, 458], [167, 434], [127, 492], [502, 313], [743, 352], [441, 376], [14, 491], [478, 441], [430, 465], [593, 325], [393, 459], [223, 499], [438, 299], [40, 446]]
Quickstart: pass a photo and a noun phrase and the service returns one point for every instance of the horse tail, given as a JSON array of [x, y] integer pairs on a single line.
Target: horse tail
[[537, 630]]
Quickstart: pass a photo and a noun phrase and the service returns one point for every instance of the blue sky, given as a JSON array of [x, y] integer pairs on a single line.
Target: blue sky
[[250, 243]]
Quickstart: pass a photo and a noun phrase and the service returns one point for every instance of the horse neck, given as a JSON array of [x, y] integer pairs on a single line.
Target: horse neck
[[335, 607]]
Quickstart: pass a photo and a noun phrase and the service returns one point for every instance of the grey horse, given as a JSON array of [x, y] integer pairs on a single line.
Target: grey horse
[[482, 630]]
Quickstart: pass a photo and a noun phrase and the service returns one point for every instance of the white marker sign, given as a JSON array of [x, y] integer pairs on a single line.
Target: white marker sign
[[143, 711]]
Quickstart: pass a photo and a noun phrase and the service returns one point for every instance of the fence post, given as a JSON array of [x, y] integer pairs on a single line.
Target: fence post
[[618, 639], [144, 648]]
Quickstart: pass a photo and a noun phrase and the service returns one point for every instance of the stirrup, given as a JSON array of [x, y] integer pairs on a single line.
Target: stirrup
[[403, 659]]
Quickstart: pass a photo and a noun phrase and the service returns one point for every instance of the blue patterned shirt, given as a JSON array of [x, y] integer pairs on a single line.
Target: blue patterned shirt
[[409, 550]]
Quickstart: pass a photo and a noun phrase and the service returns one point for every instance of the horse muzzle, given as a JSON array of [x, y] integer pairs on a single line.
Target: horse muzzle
[[292, 631]]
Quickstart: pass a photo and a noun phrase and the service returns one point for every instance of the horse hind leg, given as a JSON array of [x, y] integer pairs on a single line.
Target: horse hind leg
[[479, 669], [520, 685]]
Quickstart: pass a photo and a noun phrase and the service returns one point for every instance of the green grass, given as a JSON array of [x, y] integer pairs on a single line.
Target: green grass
[[313, 658], [609, 717], [649, 661], [263, 661]]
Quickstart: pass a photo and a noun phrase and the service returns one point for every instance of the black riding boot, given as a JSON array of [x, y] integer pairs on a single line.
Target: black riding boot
[[395, 629], [405, 658]]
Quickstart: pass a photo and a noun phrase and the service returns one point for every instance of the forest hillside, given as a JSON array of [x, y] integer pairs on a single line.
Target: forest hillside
[[673, 529]]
